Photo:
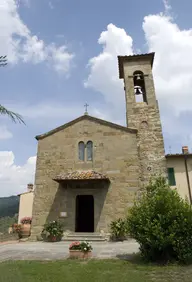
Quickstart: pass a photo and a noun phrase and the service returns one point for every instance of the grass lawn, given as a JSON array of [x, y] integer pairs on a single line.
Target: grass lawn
[[91, 271]]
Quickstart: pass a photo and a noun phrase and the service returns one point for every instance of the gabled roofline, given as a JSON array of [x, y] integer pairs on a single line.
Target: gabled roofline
[[84, 117], [122, 59]]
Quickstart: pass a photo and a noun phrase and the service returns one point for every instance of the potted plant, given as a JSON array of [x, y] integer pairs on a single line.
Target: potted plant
[[26, 227], [52, 231], [80, 250], [118, 229]]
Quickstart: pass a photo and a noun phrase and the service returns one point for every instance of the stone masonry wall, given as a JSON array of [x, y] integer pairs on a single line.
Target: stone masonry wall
[[146, 118], [114, 153]]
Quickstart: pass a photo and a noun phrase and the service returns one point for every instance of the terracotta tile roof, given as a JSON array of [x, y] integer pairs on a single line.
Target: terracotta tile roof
[[122, 59], [80, 175]]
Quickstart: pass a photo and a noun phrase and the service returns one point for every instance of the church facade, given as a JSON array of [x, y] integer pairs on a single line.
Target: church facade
[[89, 170]]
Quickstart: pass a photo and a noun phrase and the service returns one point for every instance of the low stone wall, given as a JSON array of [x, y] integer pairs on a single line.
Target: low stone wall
[[8, 237]]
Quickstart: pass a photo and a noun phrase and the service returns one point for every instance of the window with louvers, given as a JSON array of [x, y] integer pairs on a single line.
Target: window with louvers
[[171, 176]]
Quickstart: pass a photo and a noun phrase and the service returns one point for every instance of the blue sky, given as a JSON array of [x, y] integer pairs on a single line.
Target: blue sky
[[64, 53]]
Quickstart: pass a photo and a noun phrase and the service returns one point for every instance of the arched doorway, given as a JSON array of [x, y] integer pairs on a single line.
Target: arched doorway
[[84, 213]]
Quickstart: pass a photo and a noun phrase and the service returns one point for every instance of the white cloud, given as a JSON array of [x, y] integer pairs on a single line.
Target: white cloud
[[103, 75], [173, 61], [19, 44], [5, 133], [61, 58], [172, 72], [172, 67], [14, 178]]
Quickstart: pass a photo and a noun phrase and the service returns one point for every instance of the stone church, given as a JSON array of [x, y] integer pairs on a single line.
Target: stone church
[[89, 170]]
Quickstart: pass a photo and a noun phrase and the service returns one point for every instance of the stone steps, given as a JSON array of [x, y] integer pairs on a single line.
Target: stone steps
[[91, 237]]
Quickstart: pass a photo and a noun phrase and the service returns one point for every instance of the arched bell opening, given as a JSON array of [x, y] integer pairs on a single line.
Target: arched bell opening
[[139, 87]]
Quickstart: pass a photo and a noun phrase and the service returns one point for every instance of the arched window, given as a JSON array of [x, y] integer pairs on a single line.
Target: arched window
[[89, 150], [139, 86], [81, 147]]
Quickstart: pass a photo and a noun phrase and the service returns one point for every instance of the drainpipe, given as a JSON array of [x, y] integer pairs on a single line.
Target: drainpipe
[[187, 176], [185, 152]]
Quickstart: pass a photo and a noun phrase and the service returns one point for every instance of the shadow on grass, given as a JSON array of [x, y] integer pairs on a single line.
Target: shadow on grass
[[134, 258]]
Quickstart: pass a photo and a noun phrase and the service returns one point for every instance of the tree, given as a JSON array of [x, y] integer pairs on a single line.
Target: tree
[[14, 116], [3, 111]]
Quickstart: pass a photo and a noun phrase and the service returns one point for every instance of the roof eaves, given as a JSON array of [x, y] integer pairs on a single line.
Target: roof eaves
[[25, 193], [130, 58], [178, 155], [81, 175]]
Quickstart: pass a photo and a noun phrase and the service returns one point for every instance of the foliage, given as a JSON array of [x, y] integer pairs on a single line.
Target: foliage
[[83, 246], [9, 206], [161, 222], [13, 116], [6, 222], [53, 229], [118, 228], [6, 228], [26, 220]]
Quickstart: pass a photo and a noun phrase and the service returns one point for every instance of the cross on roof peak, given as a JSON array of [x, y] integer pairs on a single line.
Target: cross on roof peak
[[86, 105]]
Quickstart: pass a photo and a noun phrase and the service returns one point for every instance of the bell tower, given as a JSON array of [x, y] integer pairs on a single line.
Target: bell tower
[[142, 112]]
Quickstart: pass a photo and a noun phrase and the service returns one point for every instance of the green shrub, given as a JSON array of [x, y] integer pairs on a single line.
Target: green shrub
[[118, 229], [161, 222], [52, 231]]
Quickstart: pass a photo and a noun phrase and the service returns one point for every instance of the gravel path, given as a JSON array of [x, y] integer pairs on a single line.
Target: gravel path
[[59, 250]]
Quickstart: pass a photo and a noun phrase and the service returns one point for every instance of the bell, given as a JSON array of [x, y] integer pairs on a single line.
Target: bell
[[138, 90], [138, 77]]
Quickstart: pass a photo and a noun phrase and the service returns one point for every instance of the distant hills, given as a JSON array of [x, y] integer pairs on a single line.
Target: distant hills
[[9, 206]]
